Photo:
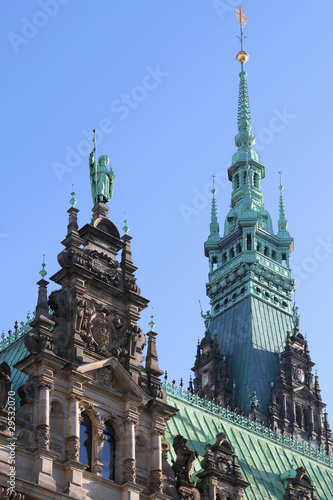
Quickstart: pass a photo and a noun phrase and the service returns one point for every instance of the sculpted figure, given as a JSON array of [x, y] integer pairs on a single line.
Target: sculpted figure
[[183, 467], [101, 178]]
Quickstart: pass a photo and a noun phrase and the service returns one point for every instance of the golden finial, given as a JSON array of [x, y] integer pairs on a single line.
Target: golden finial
[[242, 56]]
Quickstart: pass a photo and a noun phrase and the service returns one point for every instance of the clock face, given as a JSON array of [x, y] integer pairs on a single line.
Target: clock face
[[300, 375], [205, 379]]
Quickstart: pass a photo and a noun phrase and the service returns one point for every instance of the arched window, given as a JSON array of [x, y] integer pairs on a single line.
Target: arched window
[[231, 253], [239, 248], [248, 242], [284, 258], [109, 452], [244, 178], [224, 258], [85, 441], [258, 246], [274, 255], [266, 251]]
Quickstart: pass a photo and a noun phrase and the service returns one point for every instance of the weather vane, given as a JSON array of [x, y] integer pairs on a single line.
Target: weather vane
[[242, 56]]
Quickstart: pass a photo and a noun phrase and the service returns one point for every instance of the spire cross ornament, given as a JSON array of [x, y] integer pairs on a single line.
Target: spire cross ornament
[[242, 56], [242, 19]]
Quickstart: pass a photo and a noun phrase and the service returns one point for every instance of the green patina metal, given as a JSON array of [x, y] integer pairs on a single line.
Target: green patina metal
[[72, 201], [265, 456], [152, 323], [12, 350], [250, 284], [43, 272], [125, 228], [101, 179], [19, 332]]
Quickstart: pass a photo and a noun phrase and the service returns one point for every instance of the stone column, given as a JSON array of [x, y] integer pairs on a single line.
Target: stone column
[[156, 480], [73, 429], [129, 451], [101, 438], [42, 457], [43, 425]]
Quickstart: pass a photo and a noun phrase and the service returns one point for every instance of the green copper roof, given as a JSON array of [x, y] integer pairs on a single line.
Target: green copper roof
[[251, 332], [263, 454], [12, 354]]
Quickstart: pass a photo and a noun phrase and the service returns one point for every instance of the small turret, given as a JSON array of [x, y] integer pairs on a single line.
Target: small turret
[[40, 337]]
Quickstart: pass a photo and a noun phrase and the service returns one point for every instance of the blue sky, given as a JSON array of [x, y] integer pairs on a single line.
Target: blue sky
[[159, 80]]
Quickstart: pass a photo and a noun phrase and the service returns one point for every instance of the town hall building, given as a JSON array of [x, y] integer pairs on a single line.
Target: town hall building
[[95, 419]]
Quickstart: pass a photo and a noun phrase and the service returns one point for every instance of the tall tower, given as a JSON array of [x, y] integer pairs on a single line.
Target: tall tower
[[250, 283]]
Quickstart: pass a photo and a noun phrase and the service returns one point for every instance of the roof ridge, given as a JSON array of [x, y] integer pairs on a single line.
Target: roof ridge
[[309, 450]]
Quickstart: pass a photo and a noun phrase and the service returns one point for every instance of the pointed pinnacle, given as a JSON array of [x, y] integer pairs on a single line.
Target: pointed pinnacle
[[214, 225], [72, 201], [125, 228], [42, 272], [214, 208]]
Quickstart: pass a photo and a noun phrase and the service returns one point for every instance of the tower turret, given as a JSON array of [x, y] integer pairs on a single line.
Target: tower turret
[[249, 282]]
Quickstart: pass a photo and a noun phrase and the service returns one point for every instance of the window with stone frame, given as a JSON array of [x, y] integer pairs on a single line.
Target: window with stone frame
[[86, 441], [109, 452]]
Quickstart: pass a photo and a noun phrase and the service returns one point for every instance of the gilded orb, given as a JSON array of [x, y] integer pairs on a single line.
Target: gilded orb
[[242, 56]]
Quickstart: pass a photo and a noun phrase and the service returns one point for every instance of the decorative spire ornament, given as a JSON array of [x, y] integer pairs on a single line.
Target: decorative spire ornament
[[72, 201], [125, 228], [214, 225], [244, 140], [42, 272], [282, 222], [152, 323]]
